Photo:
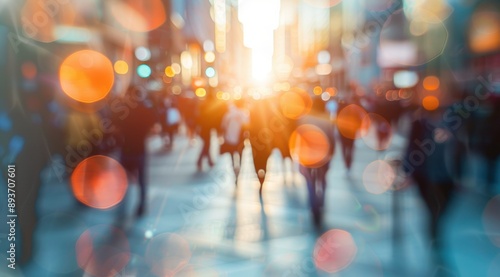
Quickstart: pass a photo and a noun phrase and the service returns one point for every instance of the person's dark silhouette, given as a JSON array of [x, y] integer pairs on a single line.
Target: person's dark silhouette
[[315, 172], [134, 129], [425, 160], [209, 117], [24, 129], [261, 138], [268, 129]]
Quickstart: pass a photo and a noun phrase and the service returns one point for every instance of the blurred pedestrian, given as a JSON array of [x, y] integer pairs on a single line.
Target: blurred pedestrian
[[209, 118], [426, 164], [232, 130], [25, 126], [172, 120], [487, 137], [261, 136], [315, 134], [282, 127], [188, 107], [346, 143], [134, 129]]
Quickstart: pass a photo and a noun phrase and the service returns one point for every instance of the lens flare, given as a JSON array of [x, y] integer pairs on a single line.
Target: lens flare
[[431, 83], [121, 67], [169, 71], [349, 121], [334, 251], [167, 254], [201, 92], [411, 44], [138, 16], [430, 103], [378, 177], [310, 146], [295, 103], [86, 76], [102, 250], [144, 71], [99, 182], [317, 90], [484, 33]]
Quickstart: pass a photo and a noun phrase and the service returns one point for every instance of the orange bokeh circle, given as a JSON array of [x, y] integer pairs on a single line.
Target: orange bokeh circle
[[310, 146], [99, 182], [431, 83], [350, 121], [295, 103], [139, 16], [86, 76], [430, 103]]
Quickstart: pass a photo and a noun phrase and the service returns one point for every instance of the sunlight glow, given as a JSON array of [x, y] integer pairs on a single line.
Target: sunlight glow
[[259, 18]]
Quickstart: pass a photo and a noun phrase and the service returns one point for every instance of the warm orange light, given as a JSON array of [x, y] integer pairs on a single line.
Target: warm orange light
[[139, 16], [86, 76], [317, 90], [295, 103], [431, 83], [169, 71], [484, 33], [332, 91], [99, 182], [310, 146], [349, 121], [430, 103], [121, 67], [334, 251], [201, 92]]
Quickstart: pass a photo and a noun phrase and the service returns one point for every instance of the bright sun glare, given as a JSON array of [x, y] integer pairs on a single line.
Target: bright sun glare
[[259, 18]]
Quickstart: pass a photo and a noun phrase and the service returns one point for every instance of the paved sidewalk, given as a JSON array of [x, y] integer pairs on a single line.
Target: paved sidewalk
[[201, 224]]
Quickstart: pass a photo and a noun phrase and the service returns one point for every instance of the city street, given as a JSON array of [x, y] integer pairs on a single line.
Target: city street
[[367, 130], [201, 224]]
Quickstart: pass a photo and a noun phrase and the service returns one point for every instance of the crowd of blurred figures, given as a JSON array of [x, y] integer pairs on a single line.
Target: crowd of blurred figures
[[45, 120], [301, 125]]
